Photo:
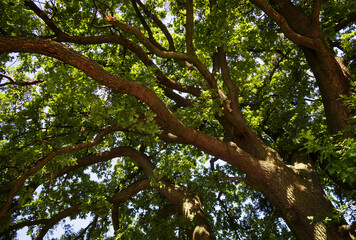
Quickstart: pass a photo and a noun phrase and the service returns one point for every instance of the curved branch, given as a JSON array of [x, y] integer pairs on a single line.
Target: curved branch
[[188, 203], [55, 219], [145, 41], [22, 225], [164, 54], [227, 151], [117, 83], [140, 53], [49, 223], [13, 82], [42, 162], [95, 158]]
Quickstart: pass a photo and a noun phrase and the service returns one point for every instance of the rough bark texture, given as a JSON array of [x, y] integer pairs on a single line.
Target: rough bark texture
[[297, 193]]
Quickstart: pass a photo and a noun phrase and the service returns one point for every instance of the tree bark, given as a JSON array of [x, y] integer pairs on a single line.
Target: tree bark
[[296, 192]]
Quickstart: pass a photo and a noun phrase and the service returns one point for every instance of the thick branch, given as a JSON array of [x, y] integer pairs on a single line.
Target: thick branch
[[187, 202], [119, 84], [227, 151], [233, 89]]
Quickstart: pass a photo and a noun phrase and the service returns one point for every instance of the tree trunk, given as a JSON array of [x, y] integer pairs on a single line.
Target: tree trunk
[[297, 194]]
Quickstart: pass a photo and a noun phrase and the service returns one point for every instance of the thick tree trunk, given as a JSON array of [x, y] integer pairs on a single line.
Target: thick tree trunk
[[297, 194]]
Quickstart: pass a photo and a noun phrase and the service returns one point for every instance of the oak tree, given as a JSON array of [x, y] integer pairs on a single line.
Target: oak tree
[[178, 119]]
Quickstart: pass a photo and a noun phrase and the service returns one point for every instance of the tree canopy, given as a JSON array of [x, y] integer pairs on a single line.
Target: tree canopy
[[213, 119]]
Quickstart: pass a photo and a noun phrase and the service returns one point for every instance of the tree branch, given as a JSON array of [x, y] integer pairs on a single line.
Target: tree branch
[[345, 22], [95, 158], [13, 82], [140, 53], [64, 37], [55, 219], [22, 225], [231, 219], [49, 222], [131, 190], [233, 89], [189, 25], [187, 201], [164, 54], [283, 24], [145, 25], [159, 24], [145, 41], [227, 151], [92, 226], [19, 183], [31, 5], [316, 12]]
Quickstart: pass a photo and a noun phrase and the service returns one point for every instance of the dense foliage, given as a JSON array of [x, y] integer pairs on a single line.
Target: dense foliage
[[108, 108]]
